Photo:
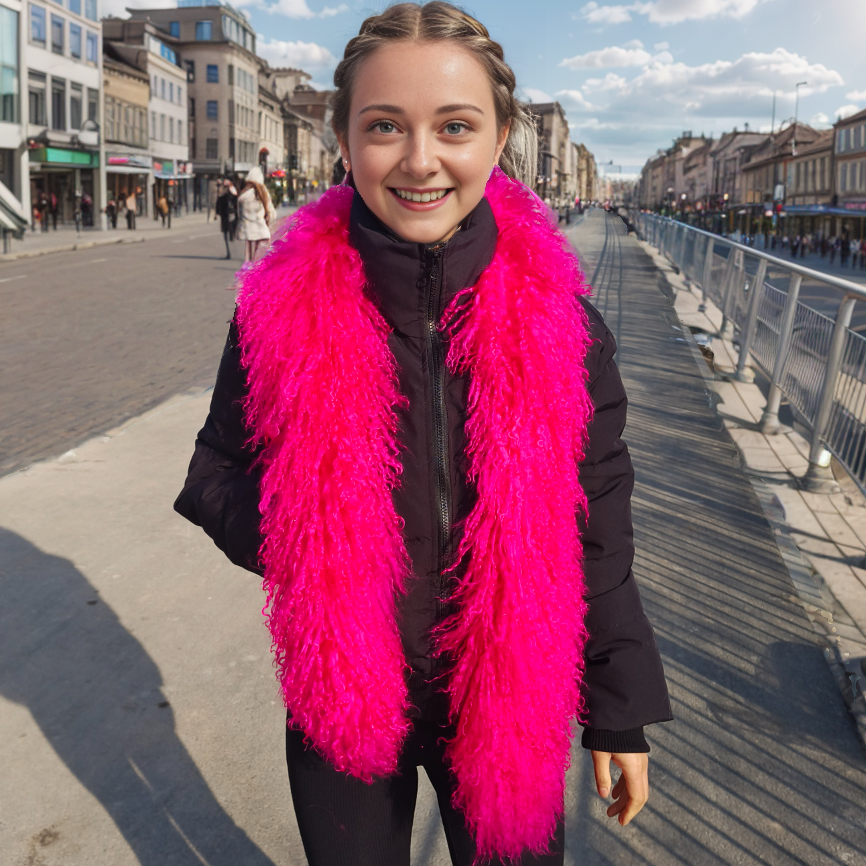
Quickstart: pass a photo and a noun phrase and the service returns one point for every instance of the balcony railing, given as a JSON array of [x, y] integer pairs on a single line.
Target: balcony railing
[[815, 361]]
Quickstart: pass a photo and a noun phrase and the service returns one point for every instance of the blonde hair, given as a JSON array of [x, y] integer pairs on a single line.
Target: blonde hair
[[440, 21]]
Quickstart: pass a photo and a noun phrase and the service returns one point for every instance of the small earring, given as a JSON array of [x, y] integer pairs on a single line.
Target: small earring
[[346, 163]]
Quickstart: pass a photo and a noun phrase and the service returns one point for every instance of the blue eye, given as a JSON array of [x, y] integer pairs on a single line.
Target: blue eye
[[384, 126], [455, 128]]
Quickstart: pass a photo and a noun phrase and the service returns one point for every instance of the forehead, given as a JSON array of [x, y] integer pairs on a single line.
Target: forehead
[[420, 75]]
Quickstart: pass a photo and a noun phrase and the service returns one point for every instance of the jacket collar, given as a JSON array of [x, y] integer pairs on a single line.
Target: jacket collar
[[396, 270]]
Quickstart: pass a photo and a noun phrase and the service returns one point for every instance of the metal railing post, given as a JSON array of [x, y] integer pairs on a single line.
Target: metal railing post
[[819, 476], [707, 274], [751, 324], [770, 419], [726, 331]]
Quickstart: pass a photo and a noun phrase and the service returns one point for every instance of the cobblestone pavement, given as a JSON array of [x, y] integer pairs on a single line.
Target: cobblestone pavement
[[93, 337]]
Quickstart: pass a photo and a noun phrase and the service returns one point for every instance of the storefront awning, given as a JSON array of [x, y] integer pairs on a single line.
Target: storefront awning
[[62, 156]]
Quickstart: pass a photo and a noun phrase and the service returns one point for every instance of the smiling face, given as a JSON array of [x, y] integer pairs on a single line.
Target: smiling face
[[422, 137]]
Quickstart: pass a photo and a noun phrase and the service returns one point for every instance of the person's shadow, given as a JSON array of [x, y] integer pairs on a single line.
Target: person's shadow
[[96, 695]]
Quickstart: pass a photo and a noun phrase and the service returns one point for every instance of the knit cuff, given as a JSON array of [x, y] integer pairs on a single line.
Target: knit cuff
[[599, 740]]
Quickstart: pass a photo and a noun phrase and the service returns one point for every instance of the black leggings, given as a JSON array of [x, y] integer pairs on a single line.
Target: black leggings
[[346, 822]]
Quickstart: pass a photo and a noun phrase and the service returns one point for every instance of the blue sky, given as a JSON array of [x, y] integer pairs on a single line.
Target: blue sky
[[631, 74]]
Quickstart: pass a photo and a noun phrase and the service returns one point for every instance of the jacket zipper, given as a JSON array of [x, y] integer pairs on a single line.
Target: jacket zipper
[[440, 425]]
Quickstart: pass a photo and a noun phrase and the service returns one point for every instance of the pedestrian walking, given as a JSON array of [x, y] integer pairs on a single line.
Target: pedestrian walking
[[42, 205], [329, 464], [226, 209], [854, 249], [130, 211], [795, 245], [111, 213], [53, 207], [844, 252], [255, 214], [162, 207]]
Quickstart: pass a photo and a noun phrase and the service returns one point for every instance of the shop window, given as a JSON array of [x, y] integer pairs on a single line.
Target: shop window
[[213, 73], [92, 48], [37, 24], [203, 30], [174, 29], [58, 104], [75, 40], [211, 145], [56, 34], [37, 82], [75, 99], [212, 113]]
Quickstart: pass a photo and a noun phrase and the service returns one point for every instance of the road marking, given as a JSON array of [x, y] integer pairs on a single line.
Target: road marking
[[9, 279]]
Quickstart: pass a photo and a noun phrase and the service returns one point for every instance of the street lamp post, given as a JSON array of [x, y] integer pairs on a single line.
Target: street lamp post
[[796, 113]]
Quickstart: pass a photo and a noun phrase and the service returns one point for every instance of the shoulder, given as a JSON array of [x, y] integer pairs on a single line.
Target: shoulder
[[603, 345]]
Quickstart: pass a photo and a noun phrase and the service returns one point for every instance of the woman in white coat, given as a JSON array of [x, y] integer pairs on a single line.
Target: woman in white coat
[[255, 214]]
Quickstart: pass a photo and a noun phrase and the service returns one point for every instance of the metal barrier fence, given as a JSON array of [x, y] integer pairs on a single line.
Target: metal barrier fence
[[817, 362]]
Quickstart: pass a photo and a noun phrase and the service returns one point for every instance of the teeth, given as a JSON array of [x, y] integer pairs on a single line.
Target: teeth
[[433, 195]]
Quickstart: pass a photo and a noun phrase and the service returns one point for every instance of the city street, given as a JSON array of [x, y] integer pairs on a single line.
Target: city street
[[101, 335], [139, 717]]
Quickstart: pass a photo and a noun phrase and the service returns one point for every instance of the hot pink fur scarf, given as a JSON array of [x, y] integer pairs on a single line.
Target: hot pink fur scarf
[[322, 397]]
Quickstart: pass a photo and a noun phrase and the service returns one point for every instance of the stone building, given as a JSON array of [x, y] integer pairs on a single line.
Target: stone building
[[553, 149], [129, 166], [217, 47], [850, 176]]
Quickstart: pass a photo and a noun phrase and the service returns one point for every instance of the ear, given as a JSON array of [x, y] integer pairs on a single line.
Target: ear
[[344, 149], [501, 138]]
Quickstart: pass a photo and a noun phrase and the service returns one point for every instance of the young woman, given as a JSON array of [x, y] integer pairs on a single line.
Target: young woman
[[255, 214], [414, 437]]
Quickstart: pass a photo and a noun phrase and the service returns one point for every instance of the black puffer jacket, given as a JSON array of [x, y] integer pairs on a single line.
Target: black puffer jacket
[[412, 284]]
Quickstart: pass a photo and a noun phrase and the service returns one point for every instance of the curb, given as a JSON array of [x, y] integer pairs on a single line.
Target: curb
[[820, 606], [78, 245]]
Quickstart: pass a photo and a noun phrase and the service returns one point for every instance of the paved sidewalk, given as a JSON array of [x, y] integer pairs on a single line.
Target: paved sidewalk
[[829, 530], [146, 229]]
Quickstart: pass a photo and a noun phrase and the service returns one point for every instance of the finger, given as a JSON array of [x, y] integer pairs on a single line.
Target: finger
[[637, 794], [601, 765]]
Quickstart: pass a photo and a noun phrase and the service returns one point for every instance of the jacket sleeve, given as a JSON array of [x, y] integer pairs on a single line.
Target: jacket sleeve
[[623, 685], [221, 493]]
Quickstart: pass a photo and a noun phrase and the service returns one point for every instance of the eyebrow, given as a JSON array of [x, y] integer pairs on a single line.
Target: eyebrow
[[445, 109]]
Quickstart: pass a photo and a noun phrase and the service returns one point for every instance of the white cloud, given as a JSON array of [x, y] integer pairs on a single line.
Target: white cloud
[[611, 81], [575, 99], [595, 14], [846, 111], [605, 58], [631, 54], [667, 11], [303, 55], [533, 94], [856, 96], [819, 120], [661, 46]]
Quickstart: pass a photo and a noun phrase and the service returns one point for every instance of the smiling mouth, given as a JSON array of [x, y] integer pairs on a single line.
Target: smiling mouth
[[421, 197]]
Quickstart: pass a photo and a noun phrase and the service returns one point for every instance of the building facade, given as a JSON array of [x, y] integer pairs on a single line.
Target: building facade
[[129, 166], [63, 58], [849, 148], [217, 49]]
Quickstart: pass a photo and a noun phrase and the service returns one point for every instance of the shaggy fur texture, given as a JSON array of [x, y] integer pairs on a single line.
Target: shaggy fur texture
[[323, 390]]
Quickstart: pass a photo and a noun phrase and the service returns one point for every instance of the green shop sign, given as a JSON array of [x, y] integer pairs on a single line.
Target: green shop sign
[[60, 156]]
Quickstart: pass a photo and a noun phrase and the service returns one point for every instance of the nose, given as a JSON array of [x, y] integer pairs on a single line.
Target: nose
[[420, 159]]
